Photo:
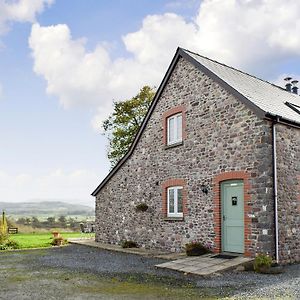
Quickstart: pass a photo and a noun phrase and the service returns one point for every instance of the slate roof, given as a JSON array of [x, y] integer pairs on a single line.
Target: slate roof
[[268, 97], [265, 99]]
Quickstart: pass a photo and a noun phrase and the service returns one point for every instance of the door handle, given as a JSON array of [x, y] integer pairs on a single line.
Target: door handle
[[224, 218]]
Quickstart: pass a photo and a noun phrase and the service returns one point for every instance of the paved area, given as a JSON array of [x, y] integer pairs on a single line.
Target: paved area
[[203, 265], [138, 251]]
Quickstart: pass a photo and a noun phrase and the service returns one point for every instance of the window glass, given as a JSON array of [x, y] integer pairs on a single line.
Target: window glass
[[171, 201], [175, 205], [171, 130], [179, 127], [179, 200], [174, 129]]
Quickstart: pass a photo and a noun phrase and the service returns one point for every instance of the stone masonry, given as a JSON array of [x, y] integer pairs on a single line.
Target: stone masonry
[[221, 136], [288, 166]]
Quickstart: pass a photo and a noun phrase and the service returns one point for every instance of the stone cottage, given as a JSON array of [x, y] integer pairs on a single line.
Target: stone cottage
[[216, 160]]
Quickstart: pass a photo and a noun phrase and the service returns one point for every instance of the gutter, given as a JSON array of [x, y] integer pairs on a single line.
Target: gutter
[[275, 189]]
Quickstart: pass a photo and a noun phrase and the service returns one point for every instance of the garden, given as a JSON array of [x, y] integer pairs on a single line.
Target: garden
[[35, 239]]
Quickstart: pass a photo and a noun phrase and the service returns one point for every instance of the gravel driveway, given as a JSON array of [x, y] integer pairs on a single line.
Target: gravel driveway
[[80, 272]]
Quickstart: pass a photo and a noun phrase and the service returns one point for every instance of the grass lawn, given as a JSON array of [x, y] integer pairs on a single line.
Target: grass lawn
[[42, 240]]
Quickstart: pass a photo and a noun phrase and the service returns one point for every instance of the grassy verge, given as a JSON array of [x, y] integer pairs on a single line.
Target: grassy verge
[[42, 240]]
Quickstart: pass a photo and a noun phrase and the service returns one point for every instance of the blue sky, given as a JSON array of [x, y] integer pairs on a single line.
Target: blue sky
[[62, 63]]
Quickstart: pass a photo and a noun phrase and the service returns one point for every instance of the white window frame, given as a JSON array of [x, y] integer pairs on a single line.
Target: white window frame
[[175, 214], [177, 139]]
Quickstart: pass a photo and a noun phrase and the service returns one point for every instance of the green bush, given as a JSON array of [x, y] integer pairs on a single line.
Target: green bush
[[12, 244], [3, 238], [195, 249], [262, 263], [141, 207], [3, 247], [129, 244], [9, 244], [3, 225], [59, 241]]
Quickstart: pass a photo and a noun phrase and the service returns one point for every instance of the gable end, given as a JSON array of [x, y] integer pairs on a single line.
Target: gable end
[[180, 53], [258, 111]]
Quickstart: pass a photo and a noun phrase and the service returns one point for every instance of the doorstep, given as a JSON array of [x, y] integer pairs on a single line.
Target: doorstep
[[204, 265]]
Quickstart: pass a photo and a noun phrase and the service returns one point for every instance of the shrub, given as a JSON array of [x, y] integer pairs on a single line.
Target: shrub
[[12, 244], [9, 244], [262, 263], [195, 249], [59, 241], [3, 247], [3, 229], [3, 238], [141, 207], [129, 244], [3, 224]]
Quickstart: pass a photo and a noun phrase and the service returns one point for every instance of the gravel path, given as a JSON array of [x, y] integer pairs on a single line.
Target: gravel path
[[80, 272], [250, 285], [99, 261]]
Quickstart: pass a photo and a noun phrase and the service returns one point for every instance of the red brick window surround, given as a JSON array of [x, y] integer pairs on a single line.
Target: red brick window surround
[[218, 208], [169, 184], [168, 114]]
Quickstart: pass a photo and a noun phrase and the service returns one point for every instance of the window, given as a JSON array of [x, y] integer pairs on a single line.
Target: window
[[174, 129], [174, 199], [174, 126], [175, 203], [293, 106]]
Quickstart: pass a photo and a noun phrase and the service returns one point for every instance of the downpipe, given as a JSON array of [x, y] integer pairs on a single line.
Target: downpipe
[[275, 190]]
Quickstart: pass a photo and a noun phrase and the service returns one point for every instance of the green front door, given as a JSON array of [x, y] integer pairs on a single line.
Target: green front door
[[232, 197]]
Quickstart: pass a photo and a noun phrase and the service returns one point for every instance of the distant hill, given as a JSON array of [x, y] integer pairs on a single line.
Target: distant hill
[[50, 208]]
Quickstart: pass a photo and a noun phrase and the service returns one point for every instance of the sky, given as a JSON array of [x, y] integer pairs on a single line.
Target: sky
[[63, 63]]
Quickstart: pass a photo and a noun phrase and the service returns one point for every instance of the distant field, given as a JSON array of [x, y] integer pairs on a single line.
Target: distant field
[[43, 217], [42, 240]]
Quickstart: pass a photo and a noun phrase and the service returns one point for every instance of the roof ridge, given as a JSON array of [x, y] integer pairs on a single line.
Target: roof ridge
[[243, 72]]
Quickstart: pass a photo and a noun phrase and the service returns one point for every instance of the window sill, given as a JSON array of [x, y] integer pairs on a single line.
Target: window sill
[[174, 145], [174, 219]]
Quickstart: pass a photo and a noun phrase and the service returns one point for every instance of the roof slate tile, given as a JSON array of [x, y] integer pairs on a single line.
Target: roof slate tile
[[267, 96]]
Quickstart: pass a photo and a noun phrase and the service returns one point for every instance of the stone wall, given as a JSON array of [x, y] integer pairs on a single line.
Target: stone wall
[[288, 166], [222, 135]]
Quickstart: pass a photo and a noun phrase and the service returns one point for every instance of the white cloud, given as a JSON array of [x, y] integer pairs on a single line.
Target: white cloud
[[20, 11], [75, 186], [248, 34], [158, 38], [72, 73], [245, 32], [79, 77]]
